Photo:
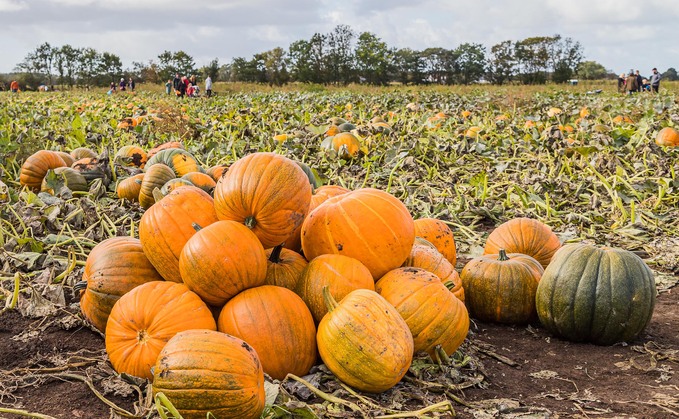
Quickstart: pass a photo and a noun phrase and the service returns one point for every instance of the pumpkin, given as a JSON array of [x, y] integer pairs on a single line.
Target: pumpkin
[[667, 137], [129, 187], [435, 316], [68, 160], [284, 267], [524, 235], [165, 228], [340, 274], [277, 323], [143, 320], [501, 288], [82, 153], [440, 235], [345, 144], [201, 180], [425, 256], [131, 156], [155, 177], [221, 260], [217, 171], [173, 184], [36, 166], [165, 146], [94, 168], [366, 224], [114, 267], [598, 295], [203, 371], [179, 160], [63, 177], [267, 192], [364, 341]]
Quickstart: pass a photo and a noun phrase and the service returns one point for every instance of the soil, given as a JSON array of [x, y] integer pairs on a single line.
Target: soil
[[527, 372]]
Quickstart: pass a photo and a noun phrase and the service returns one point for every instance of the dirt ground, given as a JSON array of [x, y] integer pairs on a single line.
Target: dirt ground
[[526, 372]]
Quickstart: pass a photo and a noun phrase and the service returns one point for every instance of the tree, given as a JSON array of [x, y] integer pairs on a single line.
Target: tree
[[373, 59], [562, 72], [408, 66], [275, 66], [501, 64], [532, 56], [470, 63], [147, 72], [110, 67], [439, 65], [339, 55], [211, 70], [69, 58], [170, 63], [591, 70], [39, 61], [88, 66], [670, 74]]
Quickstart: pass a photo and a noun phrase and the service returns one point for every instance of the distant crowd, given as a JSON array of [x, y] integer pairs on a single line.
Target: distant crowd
[[122, 86], [633, 82], [187, 86]]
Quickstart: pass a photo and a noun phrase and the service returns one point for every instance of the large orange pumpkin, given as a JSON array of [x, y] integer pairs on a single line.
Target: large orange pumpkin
[[425, 256], [114, 267], [524, 235], [440, 235], [267, 192], [165, 228], [365, 342], [366, 224], [284, 267], [203, 371], [221, 260], [143, 320], [434, 316], [340, 274], [667, 137], [277, 323], [36, 166]]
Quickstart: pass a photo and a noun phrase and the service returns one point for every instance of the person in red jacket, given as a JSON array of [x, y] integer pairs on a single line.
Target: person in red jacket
[[14, 86]]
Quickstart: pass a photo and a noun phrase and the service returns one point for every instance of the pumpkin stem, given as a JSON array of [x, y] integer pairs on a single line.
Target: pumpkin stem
[[250, 222], [502, 255], [196, 227], [450, 285], [276, 254], [441, 356], [80, 285], [330, 302]]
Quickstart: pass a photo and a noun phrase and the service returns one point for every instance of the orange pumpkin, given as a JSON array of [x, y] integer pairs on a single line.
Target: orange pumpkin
[[277, 323], [367, 224], [440, 235], [340, 274], [171, 144], [68, 160], [221, 260], [82, 153], [284, 267], [524, 235], [434, 316], [203, 371], [217, 171], [129, 187], [93, 168], [201, 180], [425, 256], [267, 192], [364, 341], [114, 267], [667, 137], [36, 166], [345, 144], [165, 228], [131, 156], [143, 320], [179, 160]]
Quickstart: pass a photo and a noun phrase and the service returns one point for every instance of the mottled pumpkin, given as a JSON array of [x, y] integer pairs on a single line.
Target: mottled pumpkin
[[155, 177], [201, 180], [345, 144], [501, 288], [268, 193], [131, 156], [425, 256], [165, 228], [221, 260], [440, 235], [217, 171], [56, 180], [366, 224], [114, 267], [203, 371], [82, 153], [365, 342], [36, 166], [130, 187], [143, 320], [93, 168], [165, 146], [179, 160], [598, 295], [524, 235], [173, 184], [68, 160], [277, 323], [340, 274], [434, 315], [284, 267], [667, 137]]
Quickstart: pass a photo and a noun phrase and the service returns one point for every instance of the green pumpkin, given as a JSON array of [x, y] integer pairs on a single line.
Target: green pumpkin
[[179, 160], [598, 295]]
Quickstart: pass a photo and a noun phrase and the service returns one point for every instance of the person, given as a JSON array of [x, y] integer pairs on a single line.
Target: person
[[192, 79], [14, 86], [112, 87], [175, 82], [621, 83], [631, 83], [131, 84], [168, 86], [122, 84], [181, 88], [655, 80], [190, 90], [645, 86], [208, 86], [639, 80]]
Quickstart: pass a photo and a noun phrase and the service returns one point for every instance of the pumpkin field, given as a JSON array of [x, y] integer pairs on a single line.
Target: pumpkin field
[[473, 252]]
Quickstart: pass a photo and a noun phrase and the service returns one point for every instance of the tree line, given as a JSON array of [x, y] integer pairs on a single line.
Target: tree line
[[339, 57]]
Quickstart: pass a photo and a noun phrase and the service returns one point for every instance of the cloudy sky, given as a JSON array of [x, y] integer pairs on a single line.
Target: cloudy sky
[[620, 34]]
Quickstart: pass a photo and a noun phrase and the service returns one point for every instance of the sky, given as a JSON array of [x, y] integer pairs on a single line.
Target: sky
[[620, 34]]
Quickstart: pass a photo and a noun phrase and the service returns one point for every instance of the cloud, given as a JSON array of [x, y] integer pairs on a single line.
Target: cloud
[[12, 5]]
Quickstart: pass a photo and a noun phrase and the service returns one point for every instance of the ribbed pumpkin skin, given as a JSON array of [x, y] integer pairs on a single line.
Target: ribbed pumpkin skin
[[501, 291], [365, 342], [277, 323], [425, 256], [284, 269], [173, 184], [113, 268], [155, 177], [201, 180], [667, 137], [36, 166], [367, 224], [524, 235], [129, 187], [221, 260], [433, 314], [440, 235], [143, 320], [598, 295], [217, 171], [267, 192], [203, 371], [68, 160], [131, 156], [341, 274], [165, 146], [82, 153], [179, 160], [165, 228]]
